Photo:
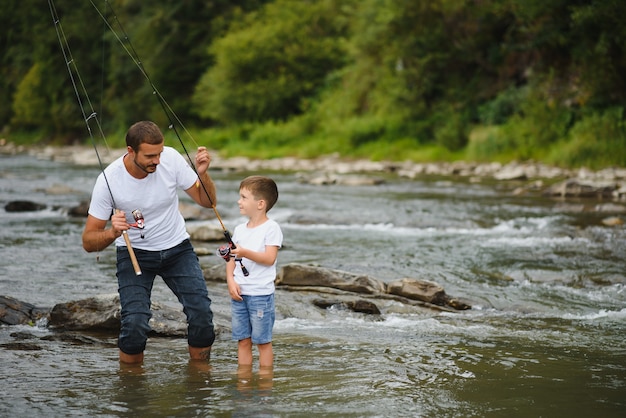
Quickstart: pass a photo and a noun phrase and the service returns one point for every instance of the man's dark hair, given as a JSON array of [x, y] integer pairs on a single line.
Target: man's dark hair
[[142, 132]]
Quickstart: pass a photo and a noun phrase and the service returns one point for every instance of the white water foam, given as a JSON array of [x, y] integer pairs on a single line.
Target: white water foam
[[601, 314]]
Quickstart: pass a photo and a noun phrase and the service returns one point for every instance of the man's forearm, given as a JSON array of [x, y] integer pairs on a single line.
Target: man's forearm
[[98, 240], [208, 195]]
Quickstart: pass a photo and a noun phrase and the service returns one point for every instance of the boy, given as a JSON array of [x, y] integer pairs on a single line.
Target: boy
[[257, 242]]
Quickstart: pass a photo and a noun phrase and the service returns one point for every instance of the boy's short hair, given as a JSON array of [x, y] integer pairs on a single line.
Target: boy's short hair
[[262, 188], [142, 132]]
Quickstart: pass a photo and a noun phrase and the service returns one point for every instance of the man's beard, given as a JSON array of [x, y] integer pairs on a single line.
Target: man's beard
[[151, 168]]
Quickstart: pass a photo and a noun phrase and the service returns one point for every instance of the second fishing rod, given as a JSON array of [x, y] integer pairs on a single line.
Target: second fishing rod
[[174, 121]]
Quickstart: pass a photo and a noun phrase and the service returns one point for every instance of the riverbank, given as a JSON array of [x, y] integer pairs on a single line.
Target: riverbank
[[524, 177]]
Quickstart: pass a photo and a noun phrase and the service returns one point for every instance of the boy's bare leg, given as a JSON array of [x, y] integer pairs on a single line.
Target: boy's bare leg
[[200, 353], [244, 352], [244, 377], [266, 355], [131, 358], [266, 377]]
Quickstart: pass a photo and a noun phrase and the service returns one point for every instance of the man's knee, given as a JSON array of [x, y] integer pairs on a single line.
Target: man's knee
[[134, 333], [200, 336]]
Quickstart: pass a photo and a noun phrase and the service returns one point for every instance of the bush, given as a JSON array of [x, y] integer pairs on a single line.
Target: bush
[[506, 104], [596, 141], [488, 143]]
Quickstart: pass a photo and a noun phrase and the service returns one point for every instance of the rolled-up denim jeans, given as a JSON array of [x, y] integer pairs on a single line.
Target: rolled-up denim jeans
[[180, 270]]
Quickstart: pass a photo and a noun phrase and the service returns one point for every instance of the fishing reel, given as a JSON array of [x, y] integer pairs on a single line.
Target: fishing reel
[[139, 221], [224, 252]]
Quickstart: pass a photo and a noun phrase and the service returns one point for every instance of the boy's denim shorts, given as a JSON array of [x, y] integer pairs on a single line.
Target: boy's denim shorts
[[253, 318], [180, 270]]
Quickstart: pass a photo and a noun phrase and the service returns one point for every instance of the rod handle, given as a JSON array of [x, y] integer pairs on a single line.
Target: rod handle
[[229, 239], [131, 252]]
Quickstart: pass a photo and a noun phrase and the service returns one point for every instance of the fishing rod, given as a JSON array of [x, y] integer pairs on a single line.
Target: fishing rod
[[89, 114], [173, 119]]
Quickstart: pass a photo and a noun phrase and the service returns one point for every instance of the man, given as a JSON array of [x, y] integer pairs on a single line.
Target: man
[[144, 183]]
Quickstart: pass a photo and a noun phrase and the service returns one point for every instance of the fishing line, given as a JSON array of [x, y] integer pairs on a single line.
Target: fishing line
[[87, 111], [169, 112], [102, 69]]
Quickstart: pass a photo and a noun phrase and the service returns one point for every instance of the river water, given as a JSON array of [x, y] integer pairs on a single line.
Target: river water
[[544, 337]]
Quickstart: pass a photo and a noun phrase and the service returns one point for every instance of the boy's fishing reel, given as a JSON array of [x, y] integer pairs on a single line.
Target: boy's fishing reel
[[224, 252]]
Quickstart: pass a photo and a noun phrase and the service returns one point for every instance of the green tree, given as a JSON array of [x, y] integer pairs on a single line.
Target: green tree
[[422, 64], [273, 61], [494, 78], [169, 40], [598, 52], [27, 38], [29, 104]]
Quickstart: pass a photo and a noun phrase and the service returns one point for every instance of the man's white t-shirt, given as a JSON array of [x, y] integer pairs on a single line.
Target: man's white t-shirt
[[260, 281], [156, 196]]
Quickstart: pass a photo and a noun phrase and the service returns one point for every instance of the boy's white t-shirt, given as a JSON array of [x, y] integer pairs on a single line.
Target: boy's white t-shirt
[[156, 196], [260, 281]]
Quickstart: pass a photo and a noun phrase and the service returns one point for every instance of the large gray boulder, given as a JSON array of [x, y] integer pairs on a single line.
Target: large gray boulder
[[95, 313], [102, 313], [582, 188], [206, 231], [23, 206], [418, 290], [304, 275], [15, 312]]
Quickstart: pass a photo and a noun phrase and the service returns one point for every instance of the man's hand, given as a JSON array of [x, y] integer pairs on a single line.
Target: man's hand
[[119, 223], [206, 195], [203, 160]]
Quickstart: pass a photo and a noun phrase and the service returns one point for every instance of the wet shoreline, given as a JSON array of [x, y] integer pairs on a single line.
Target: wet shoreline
[[85, 156]]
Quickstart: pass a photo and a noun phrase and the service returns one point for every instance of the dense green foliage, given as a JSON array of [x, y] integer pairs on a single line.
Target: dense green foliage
[[381, 79]]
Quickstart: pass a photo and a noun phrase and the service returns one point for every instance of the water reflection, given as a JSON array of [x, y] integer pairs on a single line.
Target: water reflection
[[195, 388], [131, 394], [151, 390], [254, 391]]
